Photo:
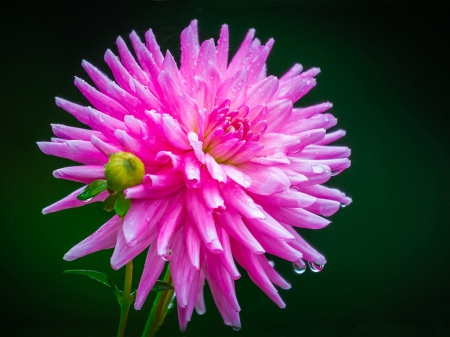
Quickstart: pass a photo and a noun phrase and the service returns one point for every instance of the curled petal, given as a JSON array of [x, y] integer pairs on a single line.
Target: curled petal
[[203, 220]]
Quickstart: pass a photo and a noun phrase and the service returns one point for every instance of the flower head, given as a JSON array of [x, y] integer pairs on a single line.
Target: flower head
[[218, 165]]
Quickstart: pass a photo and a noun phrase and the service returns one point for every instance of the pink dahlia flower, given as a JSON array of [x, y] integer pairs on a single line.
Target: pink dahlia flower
[[229, 167]]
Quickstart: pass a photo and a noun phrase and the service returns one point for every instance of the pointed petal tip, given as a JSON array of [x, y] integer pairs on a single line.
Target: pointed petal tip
[[68, 257], [215, 247], [138, 304]]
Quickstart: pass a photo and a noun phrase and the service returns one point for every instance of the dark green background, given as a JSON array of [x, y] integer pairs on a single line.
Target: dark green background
[[385, 68]]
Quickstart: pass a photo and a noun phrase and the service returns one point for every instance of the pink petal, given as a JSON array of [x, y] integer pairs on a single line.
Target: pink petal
[[309, 253], [270, 227], [278, 112], [331, 137], [250, 262], [233, 225], [265, 180], [152, 269], [143, 218], [69, 132], [124, 253], [153, 46], [327, 193], [100, 101], [130, 63], [103, 238], [215, 170], [308, 112], [84, 174], [227, 257], [181, 269], [203, 220], [76, 150], [241, 54], [170, 222], [192, 243], [222, 50], [273, 276], [213, 198], [294, 71], [287, 198], [71, 201], [237, 175], [297, 217], [324, 207], [245, 205]]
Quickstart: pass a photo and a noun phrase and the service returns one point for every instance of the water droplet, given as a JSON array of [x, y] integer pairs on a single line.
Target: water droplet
[[297, 269], [168, 255], [315, 267], [240, 83], [342, 205], [335, 173], [295, 188], [247, 182], [236, 328], [272, 263], [87, 200]]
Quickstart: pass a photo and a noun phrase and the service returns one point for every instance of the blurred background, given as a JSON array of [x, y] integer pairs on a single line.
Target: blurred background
[[384, 66]]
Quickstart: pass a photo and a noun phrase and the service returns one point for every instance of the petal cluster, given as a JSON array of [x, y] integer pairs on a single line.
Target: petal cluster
[[231, 167]]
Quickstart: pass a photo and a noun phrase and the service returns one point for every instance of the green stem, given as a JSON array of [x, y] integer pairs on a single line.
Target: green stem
[[126, 300], [159, 309]]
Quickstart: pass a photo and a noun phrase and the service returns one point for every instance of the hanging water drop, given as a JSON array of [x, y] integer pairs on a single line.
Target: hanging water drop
[[315, 267], [87, 200], [168, 255], [272, 263], [343, 205], [297, 269], [236, 328]]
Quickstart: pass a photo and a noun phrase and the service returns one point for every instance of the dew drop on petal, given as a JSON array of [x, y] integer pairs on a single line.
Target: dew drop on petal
[[272, 263], [236, 328], [168, 255], [297, 269], [87, 200], [295, 188], [343, 205], [315, 267]]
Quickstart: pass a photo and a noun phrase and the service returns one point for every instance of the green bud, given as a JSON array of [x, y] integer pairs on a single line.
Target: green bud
[[123, 170]]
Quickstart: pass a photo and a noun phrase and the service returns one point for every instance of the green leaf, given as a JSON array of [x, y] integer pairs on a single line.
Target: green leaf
[[108, 204], [122, 205], [161, 286], [100, 277], [93, 189], [95, 275]]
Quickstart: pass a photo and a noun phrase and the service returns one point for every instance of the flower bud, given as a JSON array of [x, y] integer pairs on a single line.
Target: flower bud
[[123, 170]]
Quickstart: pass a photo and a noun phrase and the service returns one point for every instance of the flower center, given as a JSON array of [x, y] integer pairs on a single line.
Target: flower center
[[229, 130], [123, 170]]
